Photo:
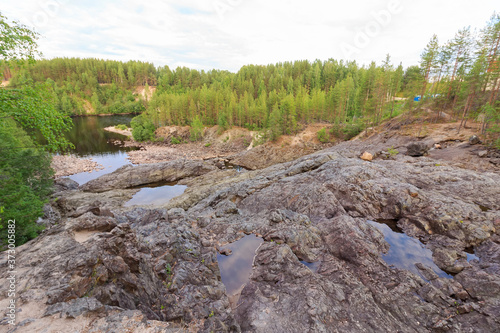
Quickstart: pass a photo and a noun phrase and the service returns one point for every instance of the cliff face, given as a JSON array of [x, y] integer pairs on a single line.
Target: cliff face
[[109, 268]]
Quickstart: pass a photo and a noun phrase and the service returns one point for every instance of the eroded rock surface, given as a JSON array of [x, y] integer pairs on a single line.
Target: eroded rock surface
[[112, 268], [129, 176]]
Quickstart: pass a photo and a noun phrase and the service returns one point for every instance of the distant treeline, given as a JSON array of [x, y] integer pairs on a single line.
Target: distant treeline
[[461, 77], [275, 96], [90, 86]]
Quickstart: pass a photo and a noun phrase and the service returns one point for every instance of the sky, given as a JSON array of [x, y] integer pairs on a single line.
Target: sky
[[228, 34]]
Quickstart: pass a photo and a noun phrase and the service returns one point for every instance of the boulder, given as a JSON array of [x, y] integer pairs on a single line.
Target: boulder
[[62, 184], [482, 153], [366, 156], [416, 149], [474, 140]]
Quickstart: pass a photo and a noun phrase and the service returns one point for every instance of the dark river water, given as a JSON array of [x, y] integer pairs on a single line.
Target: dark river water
[[92, 141]]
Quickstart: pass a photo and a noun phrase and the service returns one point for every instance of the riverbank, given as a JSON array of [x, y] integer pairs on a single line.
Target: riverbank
[[67, 165], [238, 144], [103, 114]]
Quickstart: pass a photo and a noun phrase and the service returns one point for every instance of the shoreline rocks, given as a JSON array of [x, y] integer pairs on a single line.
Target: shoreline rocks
[[66, 165]]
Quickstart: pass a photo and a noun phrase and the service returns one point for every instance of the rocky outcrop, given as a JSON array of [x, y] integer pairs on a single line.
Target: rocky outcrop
[[150, 261], [129, 176], [113, 268]]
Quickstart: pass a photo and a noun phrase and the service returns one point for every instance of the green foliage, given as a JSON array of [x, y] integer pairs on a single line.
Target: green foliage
[[392, 151], [351, 130], [168, 270], [275, 98], [25, 173], [275, 123], [25, 180], [222, 122], [142, 128], [492, 120], [32, 107], [17, 42], [121, 127], [346, 131], [96, 86], [322, 135], [208, 144], [196, 129], [175, 141]]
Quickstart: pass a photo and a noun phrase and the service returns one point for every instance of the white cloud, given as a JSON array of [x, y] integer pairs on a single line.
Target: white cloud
[[227, 34]]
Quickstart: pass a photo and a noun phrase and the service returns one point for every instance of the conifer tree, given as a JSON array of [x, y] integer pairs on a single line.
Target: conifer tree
[[428, 61]]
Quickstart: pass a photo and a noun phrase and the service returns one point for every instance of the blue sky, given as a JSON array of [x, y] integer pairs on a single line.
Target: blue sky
[[227, 34]]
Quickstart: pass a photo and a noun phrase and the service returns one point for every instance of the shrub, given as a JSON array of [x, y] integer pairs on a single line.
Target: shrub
[[142, 128], [392, 151], [222, 122], [346, 131], [25, 183], [322, 135], [121, 127], [175, 141], [351, 130], [196, 129]]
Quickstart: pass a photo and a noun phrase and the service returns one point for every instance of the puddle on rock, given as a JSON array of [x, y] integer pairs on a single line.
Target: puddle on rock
[[471, 257], [393, 224], [156, 194], [404, 251], [471, 254], [313, 266], [236, 268]]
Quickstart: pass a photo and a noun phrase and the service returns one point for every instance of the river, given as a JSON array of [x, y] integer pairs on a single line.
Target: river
[[92, 141]]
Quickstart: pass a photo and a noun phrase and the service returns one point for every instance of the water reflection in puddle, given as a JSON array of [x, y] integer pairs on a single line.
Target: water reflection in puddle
[[405, 252], [313, 266], [158, 195], [235, 269], [471, 255], [393, 224]]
